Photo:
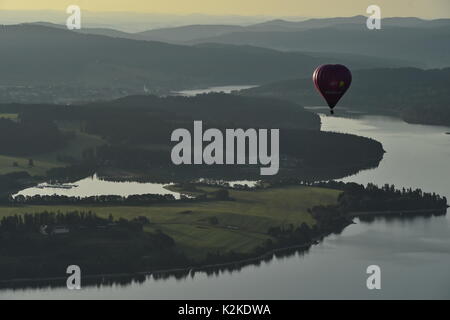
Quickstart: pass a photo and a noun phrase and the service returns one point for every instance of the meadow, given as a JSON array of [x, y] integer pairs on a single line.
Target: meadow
[[11, 116], [239, 225]]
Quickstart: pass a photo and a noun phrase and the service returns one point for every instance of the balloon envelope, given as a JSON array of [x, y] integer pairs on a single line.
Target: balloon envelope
[[332, 81]]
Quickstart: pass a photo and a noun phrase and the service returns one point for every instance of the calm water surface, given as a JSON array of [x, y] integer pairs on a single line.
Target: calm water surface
[[414, 255], [93, 186], [223, 89]]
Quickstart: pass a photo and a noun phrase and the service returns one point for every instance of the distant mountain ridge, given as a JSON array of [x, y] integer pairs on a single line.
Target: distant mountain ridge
[[199, 32], [426, 46], [38, 55], [417, 42], [188, 33]]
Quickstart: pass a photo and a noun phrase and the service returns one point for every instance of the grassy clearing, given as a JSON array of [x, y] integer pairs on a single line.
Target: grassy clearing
[[46, 161], [219, 226], [39, 169], [10, 116]]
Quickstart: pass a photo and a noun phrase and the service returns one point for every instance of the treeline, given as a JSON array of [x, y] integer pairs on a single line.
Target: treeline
[[358, 198], [354, 198], [94, 200], [115, 200], [32, 222]]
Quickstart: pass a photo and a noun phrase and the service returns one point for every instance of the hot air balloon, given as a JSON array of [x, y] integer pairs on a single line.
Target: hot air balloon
[[332, 81]]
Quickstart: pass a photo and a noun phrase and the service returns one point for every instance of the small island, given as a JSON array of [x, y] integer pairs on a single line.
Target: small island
[[212, 226]]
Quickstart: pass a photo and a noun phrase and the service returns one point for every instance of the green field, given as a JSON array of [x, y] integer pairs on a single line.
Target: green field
[[39, 169], [239, 226], [11, 116]]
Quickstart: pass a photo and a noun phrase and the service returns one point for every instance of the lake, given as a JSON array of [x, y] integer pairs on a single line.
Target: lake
[[93, 186], [223, 89], [414, 255]]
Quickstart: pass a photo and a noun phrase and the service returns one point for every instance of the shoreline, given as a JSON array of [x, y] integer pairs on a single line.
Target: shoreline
[[345, 221], [395, 212], [188, 269]]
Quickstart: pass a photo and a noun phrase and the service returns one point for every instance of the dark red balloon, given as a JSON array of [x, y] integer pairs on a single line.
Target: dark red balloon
[[332, 81]]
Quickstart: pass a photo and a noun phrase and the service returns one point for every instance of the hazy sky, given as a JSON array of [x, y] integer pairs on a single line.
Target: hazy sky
[[306, 8]]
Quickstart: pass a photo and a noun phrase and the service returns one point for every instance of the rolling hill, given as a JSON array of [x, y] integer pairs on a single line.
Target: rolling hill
[[427, 47], [416, 42], [42, 55], [419, 96]]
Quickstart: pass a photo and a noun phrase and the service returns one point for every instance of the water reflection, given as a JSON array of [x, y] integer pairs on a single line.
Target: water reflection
[[180, 274]]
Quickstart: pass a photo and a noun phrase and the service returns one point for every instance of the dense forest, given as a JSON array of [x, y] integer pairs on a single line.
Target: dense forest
[[419, 96], [356, 197], [99, 200], [359, 199], [114, 200], [145, 111], [137, 132], [100, 246], [29, 137]]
